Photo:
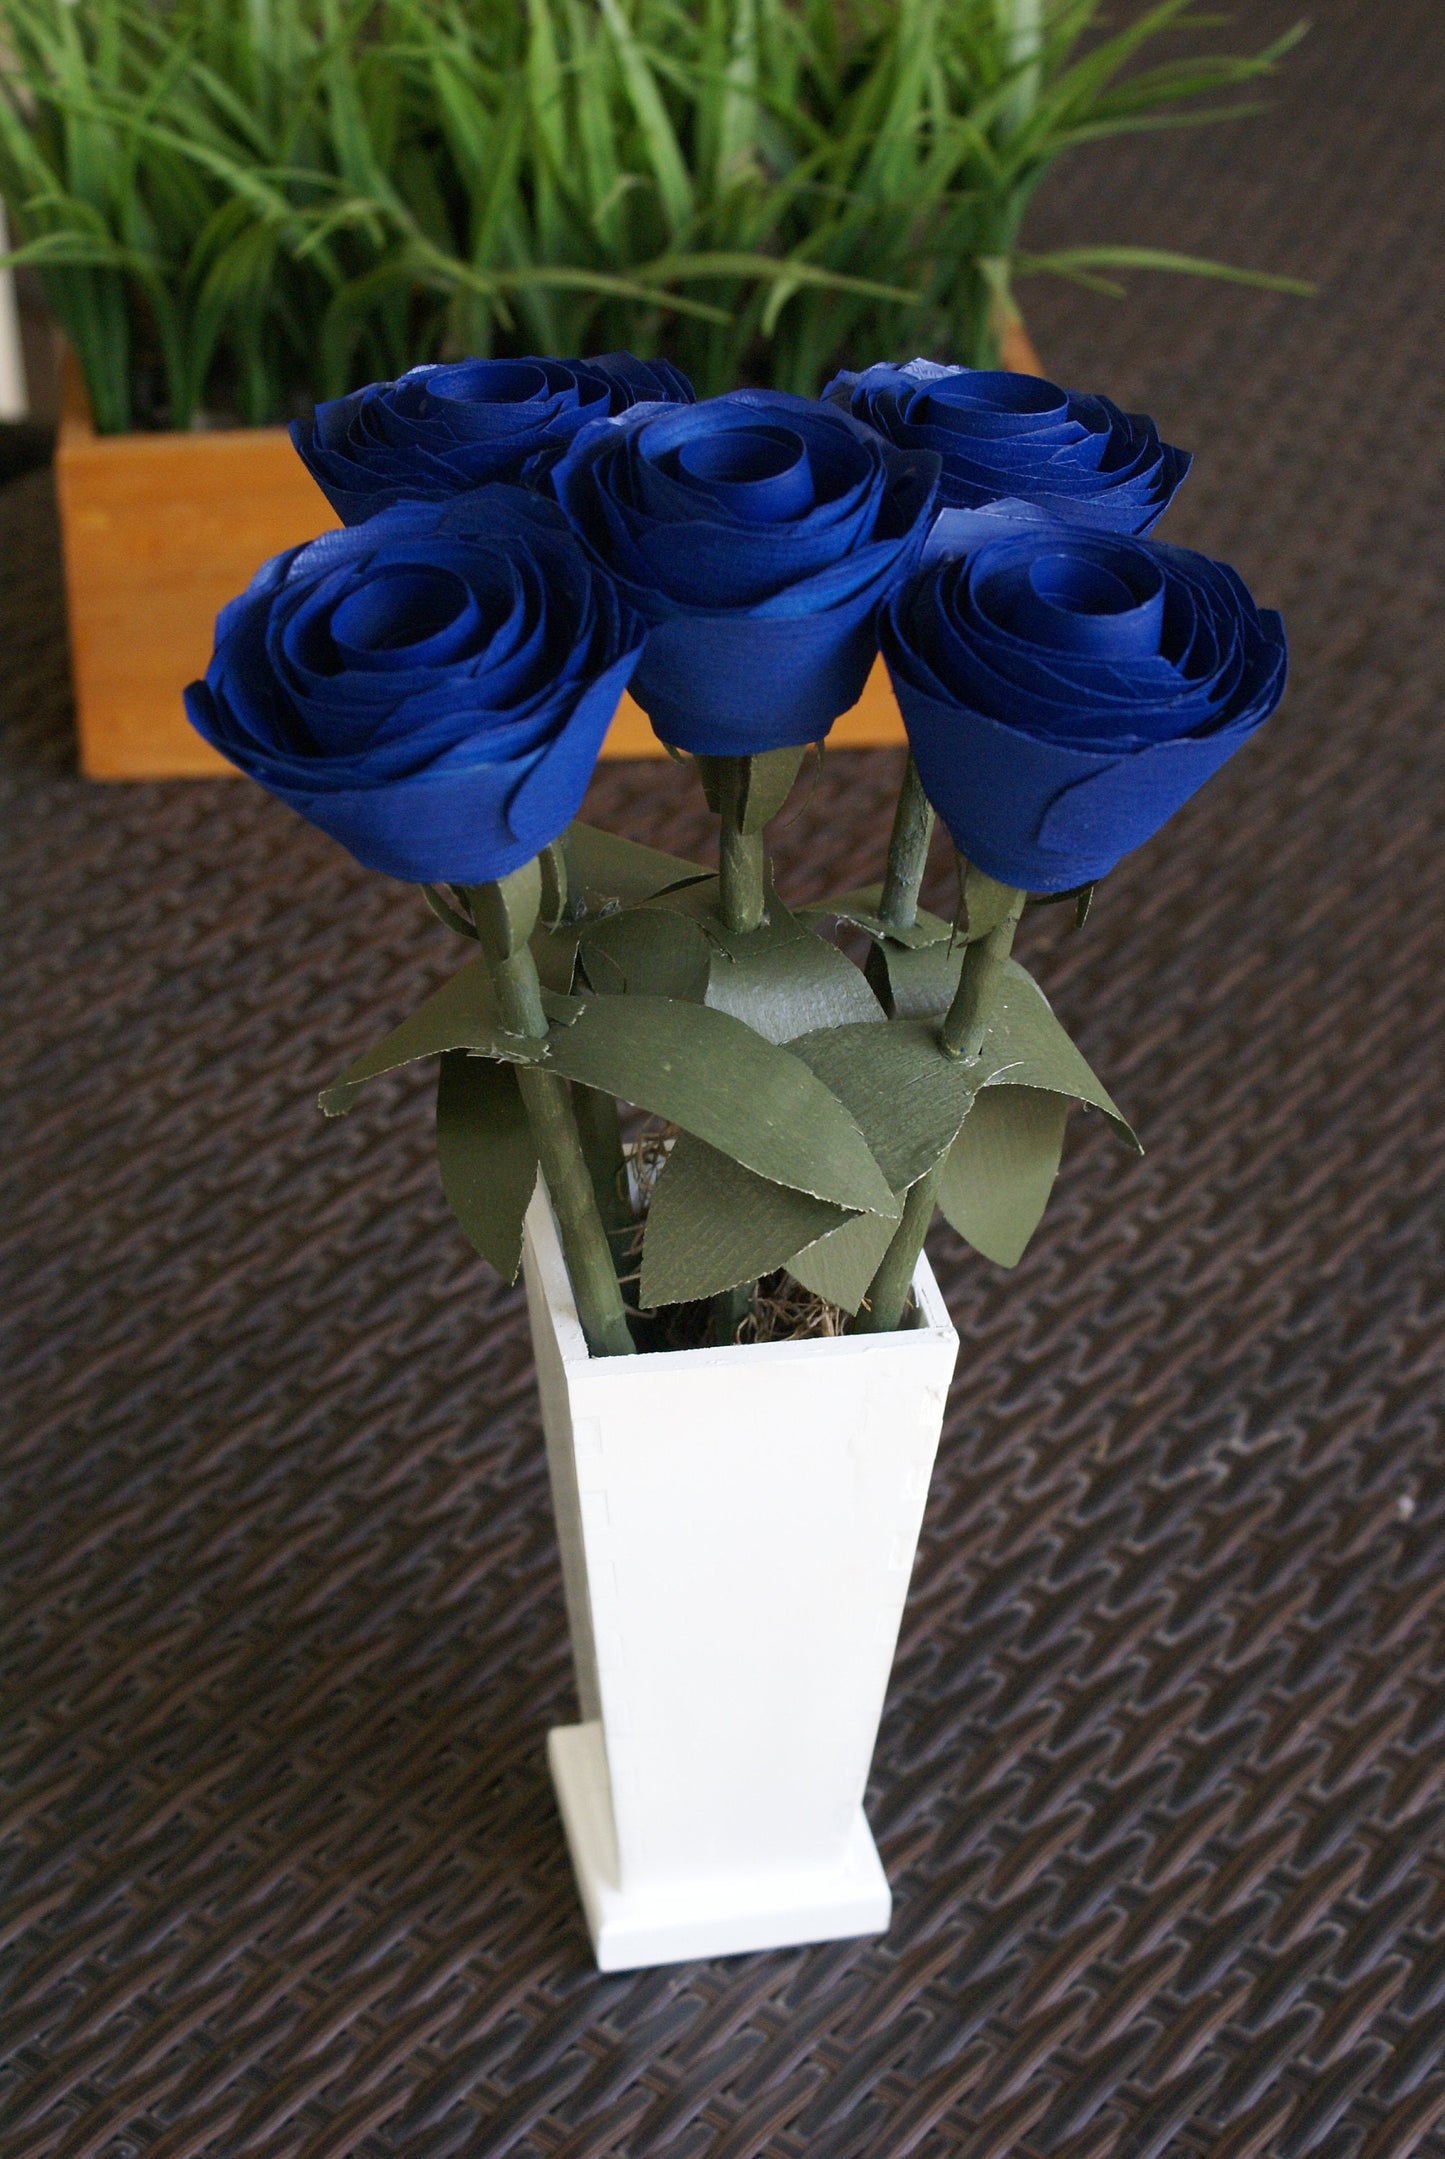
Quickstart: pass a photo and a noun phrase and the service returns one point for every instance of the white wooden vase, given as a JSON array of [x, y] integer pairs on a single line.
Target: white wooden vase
[[737, 1528]]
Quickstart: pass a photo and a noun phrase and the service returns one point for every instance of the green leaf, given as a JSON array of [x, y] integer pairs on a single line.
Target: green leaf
[[506, 912], [544, 80], [738, 118], [555, 952], [781, 979], [922, 982], [986, 904], [860, 908], [462, 1014], [840, 1267], [909, 1099], [713, 1224], [446, 913], [700, 901], [556, 904], [770, 782], [602, 867], [906, 1095], [1001, 1169], [1025, 1046], [486, 1155], [710, 1075], [646, 952], [784, 986], [604, 874], [557, 175], [766, 783]]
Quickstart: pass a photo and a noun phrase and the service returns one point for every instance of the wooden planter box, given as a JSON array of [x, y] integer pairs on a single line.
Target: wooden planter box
[[160, 531]]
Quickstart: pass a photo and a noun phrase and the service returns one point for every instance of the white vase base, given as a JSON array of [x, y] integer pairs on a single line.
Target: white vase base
[[675, 1922]]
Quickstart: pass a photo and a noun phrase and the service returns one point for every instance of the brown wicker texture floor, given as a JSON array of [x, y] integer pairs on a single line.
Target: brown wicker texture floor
[[1161, 1782]]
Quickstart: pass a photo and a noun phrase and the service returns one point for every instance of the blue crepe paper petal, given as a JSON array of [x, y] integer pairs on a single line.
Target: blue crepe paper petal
[[560, 777], [732, 686], [1017, 437], [444, 428], [449, 756], [758, 533], [1046, 764]]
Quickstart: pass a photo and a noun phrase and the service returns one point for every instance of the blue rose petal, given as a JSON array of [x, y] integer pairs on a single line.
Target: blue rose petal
[[450, 426], [758, 534], [1017, 444], [1066, 690], [431, 688]]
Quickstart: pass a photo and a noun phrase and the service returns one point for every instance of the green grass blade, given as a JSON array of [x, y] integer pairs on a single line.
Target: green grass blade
[[1069, 260], [669, 168]]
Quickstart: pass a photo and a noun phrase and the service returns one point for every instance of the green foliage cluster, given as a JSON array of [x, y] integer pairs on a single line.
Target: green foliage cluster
[[810, 1098], [240, 206]]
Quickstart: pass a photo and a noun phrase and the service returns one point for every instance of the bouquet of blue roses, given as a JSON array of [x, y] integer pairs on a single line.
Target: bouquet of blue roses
[[431, 685]]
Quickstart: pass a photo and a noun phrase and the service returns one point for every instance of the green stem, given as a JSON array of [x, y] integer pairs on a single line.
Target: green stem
[[742, 864], [892, 1286], [907, 852], [519, 992], [600, 1129], [601, 1136], [966, 1020], [548, 1103], [729, 1309], [961, 1035], [584, 1241]]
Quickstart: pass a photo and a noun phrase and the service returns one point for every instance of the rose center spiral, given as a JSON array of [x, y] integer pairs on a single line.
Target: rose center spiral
[[406, 617], [490, 382], [1072, 603], [760, 474], [988, 403]]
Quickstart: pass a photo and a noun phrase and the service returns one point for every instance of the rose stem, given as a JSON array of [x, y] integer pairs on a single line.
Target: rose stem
[[742, 875], [907, 852], [961, 1035], [503, 932], [741, 861], [964, 1022], [888, 1292], [728, 1311], [597, 1120], [584, 1240], [601, 1137]]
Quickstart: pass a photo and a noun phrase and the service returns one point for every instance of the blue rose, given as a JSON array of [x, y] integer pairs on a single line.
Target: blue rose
[[1020, 442], [443, 429], [757, 533], [431, 688], [1065, 691]]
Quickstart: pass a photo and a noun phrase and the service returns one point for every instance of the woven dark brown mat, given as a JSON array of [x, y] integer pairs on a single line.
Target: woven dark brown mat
[[1161, 1783]]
